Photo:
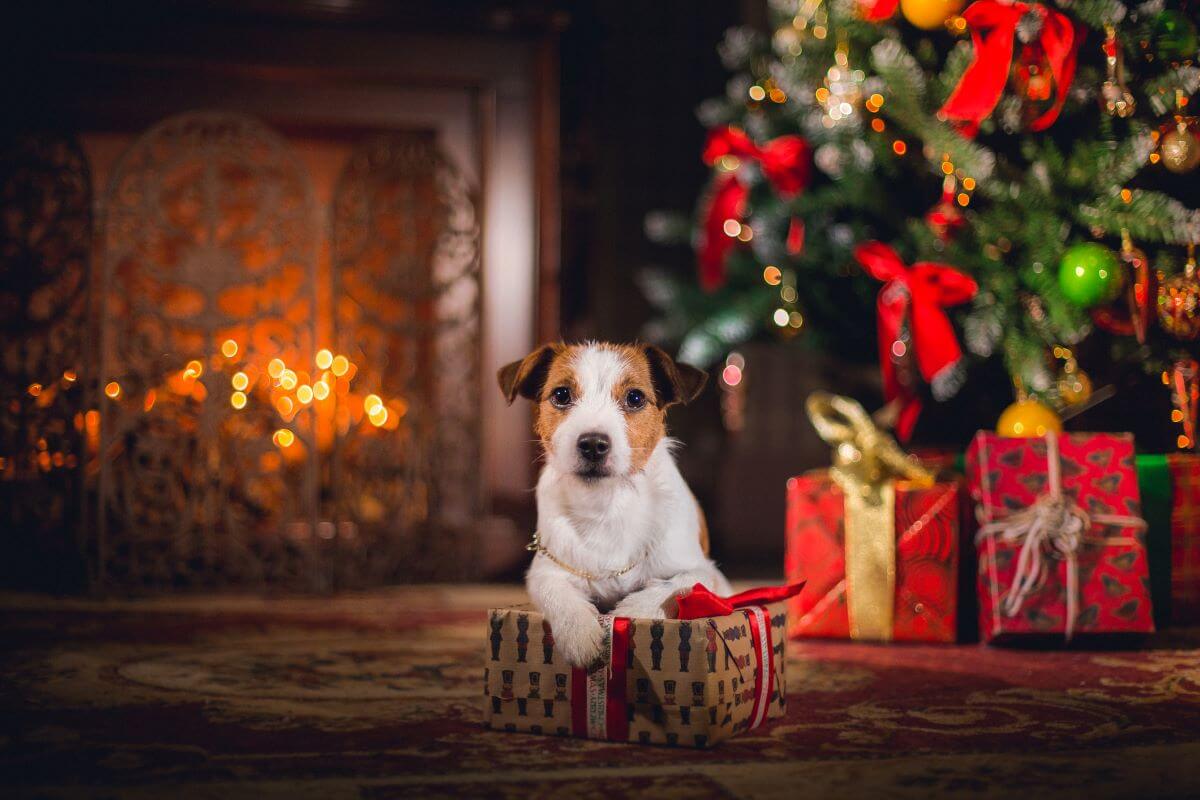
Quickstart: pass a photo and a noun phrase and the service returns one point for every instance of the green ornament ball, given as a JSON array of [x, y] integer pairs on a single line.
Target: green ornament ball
[[1089, 275], [1175, 36]]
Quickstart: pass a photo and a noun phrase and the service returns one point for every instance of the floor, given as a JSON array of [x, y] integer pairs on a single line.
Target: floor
[[378, 696]]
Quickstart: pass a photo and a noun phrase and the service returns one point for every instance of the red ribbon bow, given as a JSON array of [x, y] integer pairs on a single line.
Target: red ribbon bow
[[785, 163], [921, 293], [993, 32], [700, 601]]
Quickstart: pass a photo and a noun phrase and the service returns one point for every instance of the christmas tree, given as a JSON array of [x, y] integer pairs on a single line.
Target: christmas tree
[[1019, 179]]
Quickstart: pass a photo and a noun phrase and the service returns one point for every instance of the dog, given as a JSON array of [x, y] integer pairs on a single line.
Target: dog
[[618, 528]]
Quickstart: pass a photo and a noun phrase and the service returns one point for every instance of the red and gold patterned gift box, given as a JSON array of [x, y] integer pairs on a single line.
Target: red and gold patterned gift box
[[880, 555], [1061, 540]]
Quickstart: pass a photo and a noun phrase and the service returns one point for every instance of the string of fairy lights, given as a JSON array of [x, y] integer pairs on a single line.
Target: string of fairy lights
[[328, 387]]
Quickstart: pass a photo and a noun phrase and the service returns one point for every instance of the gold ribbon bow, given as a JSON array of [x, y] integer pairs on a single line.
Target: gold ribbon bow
[[866, 463], [1054, 526]]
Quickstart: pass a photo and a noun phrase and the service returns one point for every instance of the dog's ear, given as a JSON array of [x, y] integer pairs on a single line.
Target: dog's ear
[[527, 376], [673, 383]]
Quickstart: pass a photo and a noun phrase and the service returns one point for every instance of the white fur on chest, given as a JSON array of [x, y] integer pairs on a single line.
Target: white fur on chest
[[649, 519]]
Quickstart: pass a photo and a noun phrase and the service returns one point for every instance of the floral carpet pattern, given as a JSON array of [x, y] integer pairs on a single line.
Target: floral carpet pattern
[[378, 696]]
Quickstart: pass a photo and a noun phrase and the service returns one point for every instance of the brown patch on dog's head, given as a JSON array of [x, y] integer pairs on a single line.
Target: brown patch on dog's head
[[527, 376], [673, 383]]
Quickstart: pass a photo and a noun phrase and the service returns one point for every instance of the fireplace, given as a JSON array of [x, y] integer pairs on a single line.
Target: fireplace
[[250, 343]]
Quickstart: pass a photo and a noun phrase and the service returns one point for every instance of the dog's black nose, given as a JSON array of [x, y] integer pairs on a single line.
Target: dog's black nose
[[593, 446]]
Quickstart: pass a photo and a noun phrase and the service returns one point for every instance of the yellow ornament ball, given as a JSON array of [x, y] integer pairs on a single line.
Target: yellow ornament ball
[[930, 14], [1028, 418]]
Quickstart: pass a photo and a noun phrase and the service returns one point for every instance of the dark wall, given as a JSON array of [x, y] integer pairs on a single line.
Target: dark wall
[[632, 76]]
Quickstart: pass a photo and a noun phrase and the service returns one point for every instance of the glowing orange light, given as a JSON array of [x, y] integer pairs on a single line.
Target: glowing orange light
[[35, 389], [340, 365], [238, 400], [378, 416], [969, 184], [876, 100], [69, 376], [283, 438], [113, 390], [731, 227], [822, 94], [304, 394], [371, 402], [963, 198], [877, 125], [947, 167], [275, 368], [899, 147], [148, 403], [240, 381], [772, 275], [193, 370], [287, 379], [1183, 442], [1127, 195], [757, 93], [324, 359], [285, 405], [1177, 416], [199, 392], [745, 234], [229, 348], [778, 96], [320, 390]]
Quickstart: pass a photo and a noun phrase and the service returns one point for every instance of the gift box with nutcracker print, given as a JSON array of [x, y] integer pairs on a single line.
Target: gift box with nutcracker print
[[1061, 541], [876, 538], [683, 682]]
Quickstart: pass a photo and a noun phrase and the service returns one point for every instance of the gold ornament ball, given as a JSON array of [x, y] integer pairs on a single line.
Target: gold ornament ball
[[930, 15], [1074, 387], [1180, 150], [1026, 419], [1179, 306]]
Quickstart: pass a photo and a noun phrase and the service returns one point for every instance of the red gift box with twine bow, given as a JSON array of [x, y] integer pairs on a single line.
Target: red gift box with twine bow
[[716, 671], [1061, 540], [876, 537]]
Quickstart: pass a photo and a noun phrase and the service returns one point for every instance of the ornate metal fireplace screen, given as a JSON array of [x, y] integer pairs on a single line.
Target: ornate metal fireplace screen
[[264, 418]]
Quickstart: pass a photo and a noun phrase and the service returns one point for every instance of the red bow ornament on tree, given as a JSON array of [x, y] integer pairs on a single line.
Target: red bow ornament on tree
[[995, 27], [913, 324], [784, 162]]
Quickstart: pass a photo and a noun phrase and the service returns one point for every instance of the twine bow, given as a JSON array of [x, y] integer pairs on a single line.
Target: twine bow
[[1054, 526], [865, 463]]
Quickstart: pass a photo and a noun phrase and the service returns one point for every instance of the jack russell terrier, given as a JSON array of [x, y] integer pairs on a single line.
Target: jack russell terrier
[[618, 527]]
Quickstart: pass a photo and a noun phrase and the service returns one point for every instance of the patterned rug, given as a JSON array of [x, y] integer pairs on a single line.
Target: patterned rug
[[378, 696]]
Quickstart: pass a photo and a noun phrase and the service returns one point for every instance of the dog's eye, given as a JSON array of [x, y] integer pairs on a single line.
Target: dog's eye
[[635, 399], [561, 397]]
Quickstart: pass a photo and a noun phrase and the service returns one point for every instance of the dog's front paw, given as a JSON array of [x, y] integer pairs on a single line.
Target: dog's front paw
[[579, 638], [647, 604]]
